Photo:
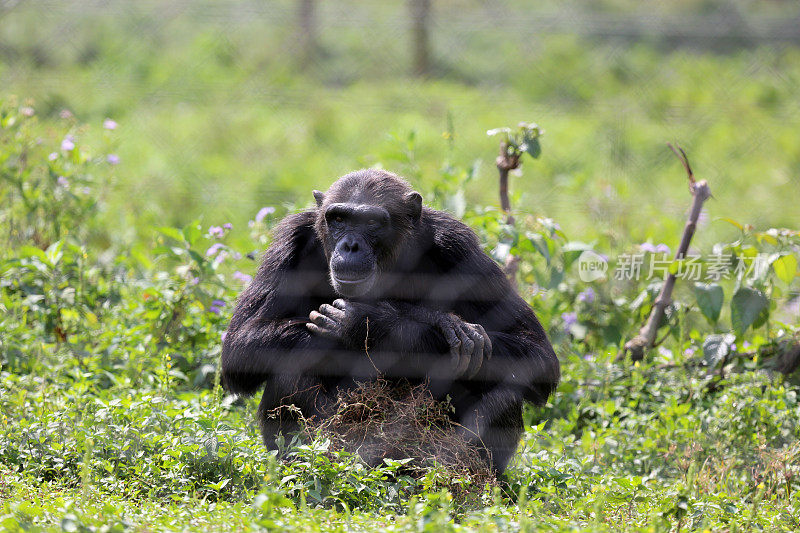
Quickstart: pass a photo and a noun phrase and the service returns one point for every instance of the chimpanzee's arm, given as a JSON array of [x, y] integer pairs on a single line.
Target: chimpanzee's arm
[[267, 333], [405, 340], [523, 357], [478, 291]]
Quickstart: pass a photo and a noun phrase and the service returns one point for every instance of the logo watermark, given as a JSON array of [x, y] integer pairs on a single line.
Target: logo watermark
[[592, 266]]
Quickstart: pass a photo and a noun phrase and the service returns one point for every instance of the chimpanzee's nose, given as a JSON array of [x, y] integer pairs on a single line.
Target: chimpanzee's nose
[[349, 244]]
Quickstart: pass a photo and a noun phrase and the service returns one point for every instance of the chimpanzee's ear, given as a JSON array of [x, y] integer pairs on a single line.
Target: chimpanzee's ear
[[319, 197], [414, 202]]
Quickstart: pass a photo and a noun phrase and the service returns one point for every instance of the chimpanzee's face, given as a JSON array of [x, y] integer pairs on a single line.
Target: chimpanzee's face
[[356, 233]]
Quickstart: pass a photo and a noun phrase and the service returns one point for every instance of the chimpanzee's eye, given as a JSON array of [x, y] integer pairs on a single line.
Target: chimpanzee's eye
[[373, 223], [338, 218]]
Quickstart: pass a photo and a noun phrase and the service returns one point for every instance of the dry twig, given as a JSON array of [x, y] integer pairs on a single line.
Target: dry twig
[[647, 335]]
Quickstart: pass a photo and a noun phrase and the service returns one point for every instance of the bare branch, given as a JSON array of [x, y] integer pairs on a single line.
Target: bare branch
[[684, 161], [647, 335]]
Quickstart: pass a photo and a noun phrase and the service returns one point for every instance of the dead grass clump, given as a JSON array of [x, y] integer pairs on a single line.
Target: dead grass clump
[[382, 420]]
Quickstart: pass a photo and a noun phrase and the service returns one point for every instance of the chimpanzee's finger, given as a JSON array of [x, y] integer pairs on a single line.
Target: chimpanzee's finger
[[332, 312], [487, 347], [465, 335], [467, 347], [322, 332], [477, 354], [339, 304], [452, 341], [323, 321]]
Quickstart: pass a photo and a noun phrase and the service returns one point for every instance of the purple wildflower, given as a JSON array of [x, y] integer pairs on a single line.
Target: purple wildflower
[[216, 306], [587, 296], [216, 231], [570, 319], [53, 156], [214, 249], [112, 159], [263, 212], [63, 182], [228, 226], [690, 351], [666, 352], [654, 249], [242, 277], [66, 113], [68, 144], [110, 124], [27, 111], [194, 281], [86, 190]]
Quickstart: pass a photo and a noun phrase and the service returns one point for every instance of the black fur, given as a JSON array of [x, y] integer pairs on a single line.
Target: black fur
[[430, 265]]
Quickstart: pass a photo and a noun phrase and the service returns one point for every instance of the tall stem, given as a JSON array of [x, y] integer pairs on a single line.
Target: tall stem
[[505, 163], [647, 335]]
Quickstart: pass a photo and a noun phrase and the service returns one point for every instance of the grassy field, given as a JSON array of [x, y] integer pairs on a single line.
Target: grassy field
[[214, 117], [112, 417]]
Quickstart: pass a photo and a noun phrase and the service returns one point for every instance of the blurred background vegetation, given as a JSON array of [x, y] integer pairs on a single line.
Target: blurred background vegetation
[[146, 149], [227, 106]]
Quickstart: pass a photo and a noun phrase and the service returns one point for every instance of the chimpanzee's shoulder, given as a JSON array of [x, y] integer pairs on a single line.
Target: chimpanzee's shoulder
[[448, 234]]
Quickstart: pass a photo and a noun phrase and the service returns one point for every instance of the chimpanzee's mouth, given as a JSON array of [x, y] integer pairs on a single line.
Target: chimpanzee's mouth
[[353, 283], [351, 278]]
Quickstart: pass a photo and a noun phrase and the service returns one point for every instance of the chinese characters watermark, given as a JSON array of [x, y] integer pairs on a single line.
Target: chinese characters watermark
[[692, 267]]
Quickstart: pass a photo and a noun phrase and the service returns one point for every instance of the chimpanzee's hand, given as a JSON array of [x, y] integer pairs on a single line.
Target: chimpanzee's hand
[[335, 321], [469, 344]]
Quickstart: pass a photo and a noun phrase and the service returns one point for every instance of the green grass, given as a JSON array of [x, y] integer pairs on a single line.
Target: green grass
[[111, 414]]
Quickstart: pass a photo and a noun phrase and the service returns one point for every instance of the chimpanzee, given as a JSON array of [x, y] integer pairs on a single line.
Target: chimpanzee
[[373, 282]]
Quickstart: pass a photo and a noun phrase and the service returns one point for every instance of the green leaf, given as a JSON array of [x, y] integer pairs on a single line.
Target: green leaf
[[541, 243], [54, 252], [573, 250], [746, 306], [192, 232], [716, 348], [172, 233], [709, 298], [199, 259], [733, 223], [219, 485], [533, 148], [762, 317], [31, 251], [785, 268]]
